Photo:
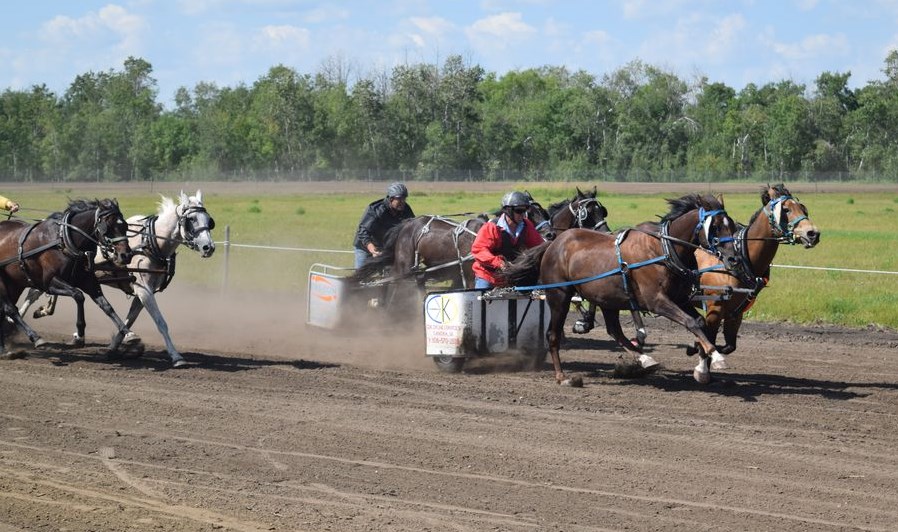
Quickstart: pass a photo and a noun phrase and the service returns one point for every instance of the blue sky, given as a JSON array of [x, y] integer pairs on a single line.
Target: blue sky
[[232, 41]]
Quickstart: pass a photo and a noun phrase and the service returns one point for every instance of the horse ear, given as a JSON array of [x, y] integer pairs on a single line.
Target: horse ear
[[182, 197], [199, 196], [720, 198], [765, 195], [579, 193]]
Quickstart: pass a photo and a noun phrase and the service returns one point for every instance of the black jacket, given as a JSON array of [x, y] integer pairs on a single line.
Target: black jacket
[[377, 220]]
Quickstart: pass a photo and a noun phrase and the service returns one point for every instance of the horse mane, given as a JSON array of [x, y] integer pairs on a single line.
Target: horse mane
[[555, 207], [77, 206], [524, 269], [778, 189], [689, 202], [165, 205]]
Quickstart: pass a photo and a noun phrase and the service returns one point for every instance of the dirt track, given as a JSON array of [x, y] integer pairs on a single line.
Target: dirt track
[[279, 427]]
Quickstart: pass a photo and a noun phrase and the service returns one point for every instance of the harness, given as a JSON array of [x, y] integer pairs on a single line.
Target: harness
[[65, 244], [457, 231], [670, 259]]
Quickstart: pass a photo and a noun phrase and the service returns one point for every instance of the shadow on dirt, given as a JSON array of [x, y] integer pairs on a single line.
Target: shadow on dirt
[[748, 387], [61, 354]]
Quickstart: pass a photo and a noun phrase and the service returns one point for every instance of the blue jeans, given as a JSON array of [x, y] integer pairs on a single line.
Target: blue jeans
[[481, 284], [361, 255]]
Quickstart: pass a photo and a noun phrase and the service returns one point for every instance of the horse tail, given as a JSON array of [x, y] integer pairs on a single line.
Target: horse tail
[[375, 266], [524, 270]]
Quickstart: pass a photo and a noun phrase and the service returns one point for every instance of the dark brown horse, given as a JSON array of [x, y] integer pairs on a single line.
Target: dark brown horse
[[432, 248], [650, 267], [781, 219], [56, 256]]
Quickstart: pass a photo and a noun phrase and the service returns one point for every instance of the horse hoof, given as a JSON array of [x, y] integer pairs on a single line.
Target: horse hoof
[[581, 327], [573, 382], [718, 362], [636, 345], [180, 363], [77, 342], [701, 377], [131, 338], [647, 362], [12, 355], [727, 349], [40, 342], [691, 351]]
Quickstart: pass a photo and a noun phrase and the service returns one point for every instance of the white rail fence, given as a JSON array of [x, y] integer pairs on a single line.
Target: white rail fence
[[228, 245]]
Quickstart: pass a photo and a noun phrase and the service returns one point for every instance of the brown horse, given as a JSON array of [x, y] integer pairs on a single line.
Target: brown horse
[[56, 256], [781, 219], [651, 267], [432, 248]]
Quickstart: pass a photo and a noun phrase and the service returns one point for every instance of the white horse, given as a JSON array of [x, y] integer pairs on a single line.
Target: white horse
[[155, 240]]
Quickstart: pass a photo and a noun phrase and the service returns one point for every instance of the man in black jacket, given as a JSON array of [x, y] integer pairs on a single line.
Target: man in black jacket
[[380, 216]]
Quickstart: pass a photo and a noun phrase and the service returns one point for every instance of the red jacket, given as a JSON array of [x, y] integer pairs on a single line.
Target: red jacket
[[491, 252]]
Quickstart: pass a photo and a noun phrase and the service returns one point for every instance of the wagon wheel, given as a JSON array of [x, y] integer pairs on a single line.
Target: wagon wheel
[[449, 363]]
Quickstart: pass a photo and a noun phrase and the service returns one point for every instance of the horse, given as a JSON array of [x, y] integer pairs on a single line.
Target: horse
[[781, 219], [656, 265], [433, 248], [155, 240], [585, 211], [56, 255]]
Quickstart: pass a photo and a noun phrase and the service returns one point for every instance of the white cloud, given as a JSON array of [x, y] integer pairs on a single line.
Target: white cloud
[[109, 20], [283, 36], [723, 37], [498, 31], [812, 46], [436, 26]]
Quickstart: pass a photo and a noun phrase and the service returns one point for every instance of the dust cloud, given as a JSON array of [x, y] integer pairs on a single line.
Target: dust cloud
[[261, 325]]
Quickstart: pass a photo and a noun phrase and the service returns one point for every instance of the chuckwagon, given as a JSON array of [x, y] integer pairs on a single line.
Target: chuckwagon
[[463, 324]]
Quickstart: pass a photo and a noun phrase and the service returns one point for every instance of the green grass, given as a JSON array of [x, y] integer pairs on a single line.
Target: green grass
[[859, 231]]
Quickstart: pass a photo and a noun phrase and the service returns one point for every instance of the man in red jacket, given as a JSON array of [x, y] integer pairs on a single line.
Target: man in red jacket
[[501, 239]]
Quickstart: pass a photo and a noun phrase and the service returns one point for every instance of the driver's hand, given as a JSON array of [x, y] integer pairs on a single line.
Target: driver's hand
[[13, 207]]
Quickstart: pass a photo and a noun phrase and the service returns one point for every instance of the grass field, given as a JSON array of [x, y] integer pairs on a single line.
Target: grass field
[[859, 231]]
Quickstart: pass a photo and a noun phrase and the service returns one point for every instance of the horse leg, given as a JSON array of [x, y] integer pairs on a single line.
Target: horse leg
[[61, 288], [587, 319], [641, 333], [30, 298], [692, 321], [713, 319], [9, 309], [145, 298], [731, 326], [92, 288], [559, 303], [613, 326], [133, 312]]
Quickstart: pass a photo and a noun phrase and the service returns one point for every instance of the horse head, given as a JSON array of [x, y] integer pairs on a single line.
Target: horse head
[[583, 211], [788, 217], [195, 224], [541, 220], [111, 231], [703, 222]]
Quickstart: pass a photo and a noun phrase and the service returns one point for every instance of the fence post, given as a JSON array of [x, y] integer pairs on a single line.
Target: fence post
[[227, 253]]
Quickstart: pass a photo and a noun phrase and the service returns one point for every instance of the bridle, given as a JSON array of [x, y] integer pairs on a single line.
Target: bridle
[[188, 231], [101, 226], [781, 224]]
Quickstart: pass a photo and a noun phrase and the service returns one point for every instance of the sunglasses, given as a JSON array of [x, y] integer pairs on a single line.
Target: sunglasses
[[520, 210]]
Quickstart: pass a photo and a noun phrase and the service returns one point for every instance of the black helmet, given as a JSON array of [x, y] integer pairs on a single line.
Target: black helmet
[[516, 199], [397, 190]]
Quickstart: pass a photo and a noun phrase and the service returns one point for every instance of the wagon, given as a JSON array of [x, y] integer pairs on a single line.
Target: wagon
[[463, 324], [333, 303]]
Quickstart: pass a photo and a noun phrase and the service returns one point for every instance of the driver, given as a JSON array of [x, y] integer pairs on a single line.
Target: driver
[[380, 216], [501, 239]]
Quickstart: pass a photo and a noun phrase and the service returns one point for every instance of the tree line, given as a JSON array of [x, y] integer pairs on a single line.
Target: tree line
[[451, 121]]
